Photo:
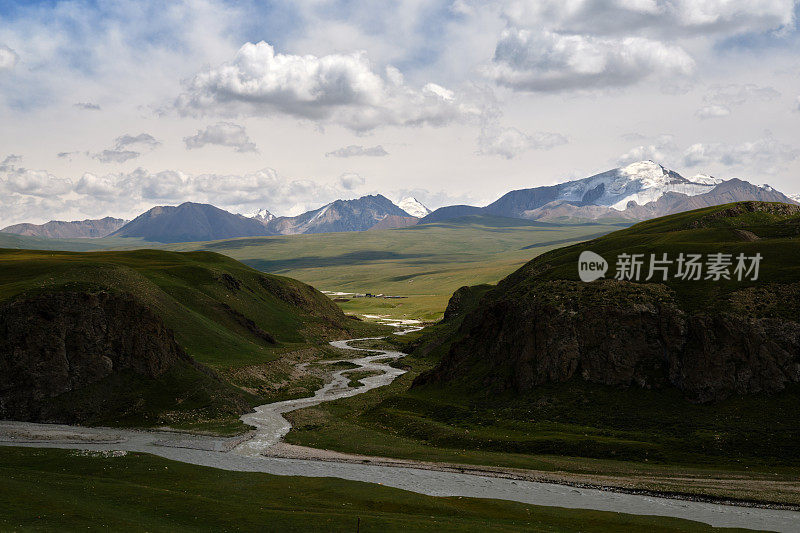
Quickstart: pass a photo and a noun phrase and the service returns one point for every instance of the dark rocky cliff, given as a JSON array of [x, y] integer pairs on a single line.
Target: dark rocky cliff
[[61, 342], [618, 333]]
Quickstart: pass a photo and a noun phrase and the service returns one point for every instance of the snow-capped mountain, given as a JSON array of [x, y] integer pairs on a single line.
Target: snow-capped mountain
[[342, 215], [413, 207], [795, 198], [263, 215], [635, 192]]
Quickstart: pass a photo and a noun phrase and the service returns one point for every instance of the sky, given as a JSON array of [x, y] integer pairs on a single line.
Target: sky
[[111, 108]]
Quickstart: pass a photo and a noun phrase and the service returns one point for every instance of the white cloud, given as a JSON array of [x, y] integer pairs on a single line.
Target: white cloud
[[665, 17], [713, 111], [355, 150], [38, 195], [350, 180], [10, 162], [115, 156], [222, 134], [337, 88], [120, 152], [511, 142], [766, 155], [87, 106], [8, 58], [641, 153], [526, 60], [735, 94]]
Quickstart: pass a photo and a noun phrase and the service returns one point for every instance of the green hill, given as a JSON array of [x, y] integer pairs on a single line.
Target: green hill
[[677, 372], [137, 327]]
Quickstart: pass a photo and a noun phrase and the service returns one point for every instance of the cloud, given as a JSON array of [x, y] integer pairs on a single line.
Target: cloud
[[87, 106], [67, 155], [659, 149], [120, 152], [222, 134], [350, 180], [337, 88], [735, 94], [535, 61], [713, 111], [668, 18], [39, 195], [8, 58], [511, 142], [766, 155], [797, 104], [10, 162], [115, 156], [357, 151]]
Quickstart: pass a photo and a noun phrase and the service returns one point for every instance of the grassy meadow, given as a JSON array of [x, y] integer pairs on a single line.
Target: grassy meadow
[[62, 490]]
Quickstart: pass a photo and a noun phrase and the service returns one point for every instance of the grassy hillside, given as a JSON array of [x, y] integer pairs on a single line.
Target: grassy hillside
[[224, 314], [69, 490], [462, 419], [425, 263]]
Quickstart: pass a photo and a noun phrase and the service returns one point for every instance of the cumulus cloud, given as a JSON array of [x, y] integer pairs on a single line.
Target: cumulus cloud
[[713, 111], [338, 88], [222, 134], [350, 180], [126, 147], [526, 60], [87, 106], [67, 155], [767, 155], [355, 150], [10, 162], [8, 58], [511, 142], [38, 195], [659, 149]]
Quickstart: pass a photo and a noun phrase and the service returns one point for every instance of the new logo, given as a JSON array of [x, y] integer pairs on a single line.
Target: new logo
[[591, 266]]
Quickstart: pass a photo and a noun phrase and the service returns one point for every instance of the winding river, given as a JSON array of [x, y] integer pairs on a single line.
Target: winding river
[[248, 454]]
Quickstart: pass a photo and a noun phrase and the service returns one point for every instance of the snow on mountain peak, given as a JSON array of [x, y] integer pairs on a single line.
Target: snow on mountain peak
[[413, 207], [263, 215]]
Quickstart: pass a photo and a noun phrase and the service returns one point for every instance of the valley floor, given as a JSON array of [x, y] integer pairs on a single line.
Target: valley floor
[[429, 479]]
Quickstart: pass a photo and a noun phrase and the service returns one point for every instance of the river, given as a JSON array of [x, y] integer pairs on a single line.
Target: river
[[247, 454]]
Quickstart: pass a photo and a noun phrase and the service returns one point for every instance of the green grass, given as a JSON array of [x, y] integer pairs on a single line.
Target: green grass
[[576, 423], [204, 297], [424, 263], [66, 491]]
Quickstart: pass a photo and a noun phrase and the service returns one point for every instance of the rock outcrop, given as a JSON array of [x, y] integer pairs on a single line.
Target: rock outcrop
[[59, 342], [621, 334]]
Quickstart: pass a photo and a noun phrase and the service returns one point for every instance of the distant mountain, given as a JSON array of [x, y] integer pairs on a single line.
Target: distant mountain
[[795, 198], [395, 222], [450, 212], [413, 207], [342, 215], [263, 215], [190, 222], [76, 229], [638, 191]]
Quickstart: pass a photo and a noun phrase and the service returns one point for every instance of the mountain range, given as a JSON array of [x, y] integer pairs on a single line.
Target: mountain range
[[639, 191], [636, 192], [76, 229]]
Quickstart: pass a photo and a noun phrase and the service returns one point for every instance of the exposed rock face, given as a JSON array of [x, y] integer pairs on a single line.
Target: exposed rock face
[[618, 333], [61, 342]]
